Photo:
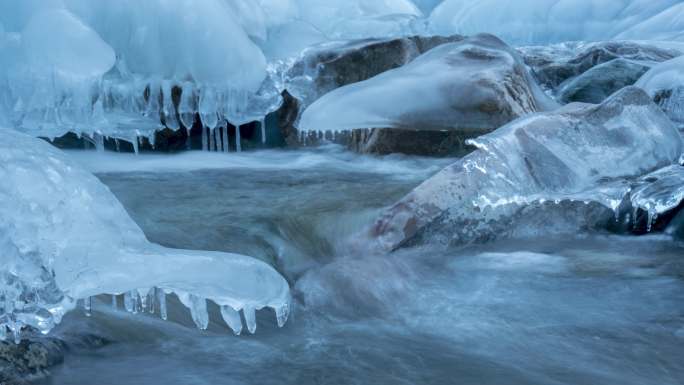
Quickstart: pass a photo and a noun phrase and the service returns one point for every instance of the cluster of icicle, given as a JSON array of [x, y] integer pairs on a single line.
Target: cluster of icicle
[[133, 110], [154, 301]]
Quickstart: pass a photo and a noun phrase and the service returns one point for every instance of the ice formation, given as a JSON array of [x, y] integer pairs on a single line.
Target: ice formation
[[125, 69], [476, 84], [64, 237], [552, 21], [665, 83], [581, 153]]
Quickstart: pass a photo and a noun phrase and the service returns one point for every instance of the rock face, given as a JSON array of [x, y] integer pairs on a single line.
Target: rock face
[[665, 84], [556, 64], [598, 83], [326, 67], [29, 359], [432, 105], [578, 161]]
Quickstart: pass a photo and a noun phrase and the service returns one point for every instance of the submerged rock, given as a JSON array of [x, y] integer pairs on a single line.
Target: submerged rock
[[432, 105], [582, 156], [556, 64], [665, 84]]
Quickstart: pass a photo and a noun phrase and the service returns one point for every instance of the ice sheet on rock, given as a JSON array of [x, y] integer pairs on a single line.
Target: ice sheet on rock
[[476, 84], [64, 236], [581, 153], [552, 21], [665, 83]]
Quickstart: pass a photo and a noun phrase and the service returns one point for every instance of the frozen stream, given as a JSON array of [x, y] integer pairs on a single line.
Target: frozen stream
[[590, 310]]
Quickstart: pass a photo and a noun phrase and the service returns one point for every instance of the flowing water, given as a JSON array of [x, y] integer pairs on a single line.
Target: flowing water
[[599, 309]]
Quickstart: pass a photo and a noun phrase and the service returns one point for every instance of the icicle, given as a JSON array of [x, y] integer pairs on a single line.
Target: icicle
[[232, 319], [250, 318], [87, 306], [99, 141], [211, 139], [152, 109], [238, 145], [118, 145], [16, 331], [262, 123], [198, 309], [168, 109], [217, 135], [142, 294], [652, 216], [282, 313], [205, 139], [135, 145], [187, 107], [208, 108], [131, 302], [224, 137], [161, 297], [3, 332], [151, 300], [114, 304]]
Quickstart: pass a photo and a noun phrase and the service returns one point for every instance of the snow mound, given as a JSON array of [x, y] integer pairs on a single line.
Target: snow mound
[[64, 237]]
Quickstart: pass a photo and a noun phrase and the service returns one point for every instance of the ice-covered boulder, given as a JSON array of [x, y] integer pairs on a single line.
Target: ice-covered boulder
[[665, 83], [581, 158], [598, 83], [552, 21], [64, 237], [325, 67], [556, 64], [431, 105]]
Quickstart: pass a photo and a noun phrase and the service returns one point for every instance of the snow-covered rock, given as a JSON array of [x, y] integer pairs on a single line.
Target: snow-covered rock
[[552, 21], [665, 83], [455, 91], [582, 158], [65, 237]]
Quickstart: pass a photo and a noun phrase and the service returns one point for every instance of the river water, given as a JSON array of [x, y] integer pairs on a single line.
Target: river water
[[584, 309]]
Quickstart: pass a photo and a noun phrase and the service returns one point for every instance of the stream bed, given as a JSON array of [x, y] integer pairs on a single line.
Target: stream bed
[[585, 309]]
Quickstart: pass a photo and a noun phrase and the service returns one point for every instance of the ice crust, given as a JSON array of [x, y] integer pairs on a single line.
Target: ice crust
[[64, 237]]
